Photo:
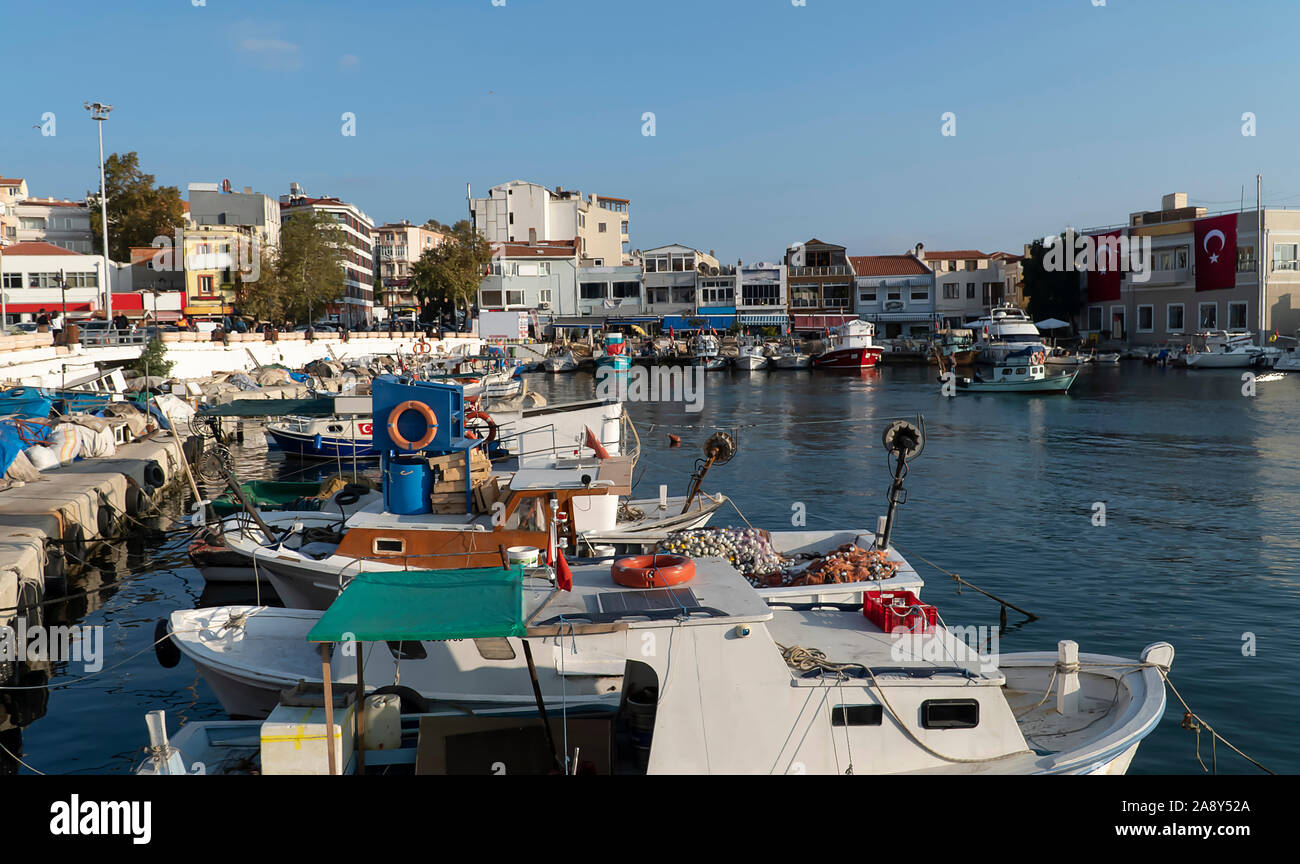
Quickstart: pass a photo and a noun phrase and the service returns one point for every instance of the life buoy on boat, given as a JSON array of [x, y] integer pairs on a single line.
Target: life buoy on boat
[[476, 414], [430, 425], [652, 571], [422, 347]]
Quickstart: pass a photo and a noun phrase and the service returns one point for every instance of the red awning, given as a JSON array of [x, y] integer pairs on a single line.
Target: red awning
[[128, 301], [819, 322], [51, 308]]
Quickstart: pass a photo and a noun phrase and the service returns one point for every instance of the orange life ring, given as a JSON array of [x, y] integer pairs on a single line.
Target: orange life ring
[[652, 571], [481, 415], [422, 347], [430, 422]]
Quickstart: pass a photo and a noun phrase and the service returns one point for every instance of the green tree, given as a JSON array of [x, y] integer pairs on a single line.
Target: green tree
[[450, 273], [152, 360], [1054, 293], [263, 299], [309, 268], [138, 210]]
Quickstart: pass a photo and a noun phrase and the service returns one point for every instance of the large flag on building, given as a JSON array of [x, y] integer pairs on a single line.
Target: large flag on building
[[1216, 252], [1105, 270]]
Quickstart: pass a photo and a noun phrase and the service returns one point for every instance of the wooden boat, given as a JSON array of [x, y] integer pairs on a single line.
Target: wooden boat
[[1022, 372], [751, 355], [850, 348]]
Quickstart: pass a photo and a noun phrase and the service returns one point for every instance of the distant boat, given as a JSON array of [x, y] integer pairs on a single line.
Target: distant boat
[[1023, 372], [561, 362], [1224, 349], [788, 356], [324, 437], [708, 353], [850, 348], [1004, 330], [615, 357], [751, 356]]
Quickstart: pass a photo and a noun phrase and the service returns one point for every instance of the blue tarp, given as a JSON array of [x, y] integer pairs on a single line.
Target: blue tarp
[[11, 444], [698, 322]]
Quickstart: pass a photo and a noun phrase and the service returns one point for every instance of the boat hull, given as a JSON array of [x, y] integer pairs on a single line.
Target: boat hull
[[797, 361], [751, 362], [1050, 384], [849, 359], [322, 446]]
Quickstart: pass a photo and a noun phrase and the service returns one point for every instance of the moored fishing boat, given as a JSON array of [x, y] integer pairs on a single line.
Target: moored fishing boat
[[751, 354], [560, 361], [1021, 372], [790, 356], [850, 348], [708, 353]]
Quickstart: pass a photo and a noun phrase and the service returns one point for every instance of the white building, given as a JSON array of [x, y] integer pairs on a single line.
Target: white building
[[532, 276], [762, 295], [33, 275], [62, 223], [967, 283], [359, 268], [519, 212]]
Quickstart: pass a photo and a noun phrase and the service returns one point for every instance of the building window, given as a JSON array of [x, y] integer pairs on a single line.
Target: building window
[[761, 295], [1094, 318], [591, 291], [972, 265], [1245, 259], [623, 290], [544, 296], [836, 296], [1174, 318], [867, 296], [514, 298], [803, 296], [1146, 319], [490, 298], [600, 227], [31, 223], [894, 295], [1237, 314], [205, 284], [13, 280], [970, 290], [1284, 256], [624, 226], [920, 293], [1208, 315], [952, 291]]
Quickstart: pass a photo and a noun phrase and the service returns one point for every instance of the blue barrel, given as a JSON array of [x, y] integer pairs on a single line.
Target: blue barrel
[[408, 483]]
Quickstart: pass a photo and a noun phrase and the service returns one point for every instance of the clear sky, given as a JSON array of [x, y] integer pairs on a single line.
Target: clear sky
[[774, 122]]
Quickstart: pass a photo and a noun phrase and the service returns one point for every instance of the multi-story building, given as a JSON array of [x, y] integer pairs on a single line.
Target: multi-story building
[[669, 277], [611, 293], [967, 284], [61, 223], [1013, 277], [820, 284], [12, 191], [761, 295], [160, 279], [35, 274], [257, 214], [212, 262], [357, 306], [519, 211], [895, 292], [532, 276], [398, 245], [1172, 300]]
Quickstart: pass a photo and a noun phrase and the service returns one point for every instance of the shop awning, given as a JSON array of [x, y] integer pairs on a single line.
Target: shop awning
[[698, 322], [35, 308], [769, 320], [479, 603], [899, 317], [820, 322]]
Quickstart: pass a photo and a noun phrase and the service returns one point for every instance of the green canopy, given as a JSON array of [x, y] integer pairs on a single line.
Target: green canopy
[[426, 604]]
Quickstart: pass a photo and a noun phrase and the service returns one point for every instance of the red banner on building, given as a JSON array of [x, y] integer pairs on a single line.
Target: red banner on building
[[1105, 270], [1216, 252]]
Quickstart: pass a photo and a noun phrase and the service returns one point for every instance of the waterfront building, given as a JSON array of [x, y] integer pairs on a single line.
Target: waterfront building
[[968, 283], [670, 275], [520, 211], [537, 277], [398, 245], [895, 292], [357, 305], [820, 284], [1188, 289], [761, 295], [212, 256], [611, 293], [34, 274]]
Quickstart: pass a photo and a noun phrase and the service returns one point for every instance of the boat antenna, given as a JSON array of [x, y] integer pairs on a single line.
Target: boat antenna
[[905, 441]]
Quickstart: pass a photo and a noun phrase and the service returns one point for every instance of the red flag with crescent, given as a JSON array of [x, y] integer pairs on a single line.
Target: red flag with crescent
[[1105, 271], [1216, 252]]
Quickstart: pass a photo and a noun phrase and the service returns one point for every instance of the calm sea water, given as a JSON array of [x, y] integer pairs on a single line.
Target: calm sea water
[[1199, 485]]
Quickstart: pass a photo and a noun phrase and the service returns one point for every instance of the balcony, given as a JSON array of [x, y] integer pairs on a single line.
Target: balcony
[[831, 270]]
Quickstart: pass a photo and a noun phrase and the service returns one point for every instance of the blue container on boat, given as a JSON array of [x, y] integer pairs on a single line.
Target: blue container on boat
[[408, 483]]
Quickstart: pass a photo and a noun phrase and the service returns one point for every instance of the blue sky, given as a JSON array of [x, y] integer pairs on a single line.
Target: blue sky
[[774, 122]]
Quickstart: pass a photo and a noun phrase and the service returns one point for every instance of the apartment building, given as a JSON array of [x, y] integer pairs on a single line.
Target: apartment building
[[968, 283], [761, 295], [819, 280], [12, 191], [1186, 289], [895, 292], [257, 214], [532, 276], [62, 223], [520, 211], [612, 293], [670, 276], [398, 245], [357, 305]]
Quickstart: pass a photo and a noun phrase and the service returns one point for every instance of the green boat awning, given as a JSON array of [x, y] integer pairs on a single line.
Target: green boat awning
[[323, 407], [426, 604]]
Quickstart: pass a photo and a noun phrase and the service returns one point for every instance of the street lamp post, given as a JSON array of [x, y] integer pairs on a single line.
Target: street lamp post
[[99, 113]]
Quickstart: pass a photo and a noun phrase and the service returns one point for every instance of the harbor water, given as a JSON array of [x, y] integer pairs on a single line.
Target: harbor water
[[1148, 504]]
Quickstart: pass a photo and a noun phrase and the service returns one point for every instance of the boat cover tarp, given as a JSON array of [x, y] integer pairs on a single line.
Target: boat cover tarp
[[476, 603], [323, 407]]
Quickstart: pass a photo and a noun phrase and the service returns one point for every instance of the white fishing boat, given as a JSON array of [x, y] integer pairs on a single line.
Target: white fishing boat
[[821, 687], [1062, 357], [1109, 357], [1022, 372], [1227, 349], [751, 354], [789, 356], [708, 353], [561, 361], [1004, 330]]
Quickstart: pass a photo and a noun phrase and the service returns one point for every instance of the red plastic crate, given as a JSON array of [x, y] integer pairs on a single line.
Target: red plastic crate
[[891, 609]]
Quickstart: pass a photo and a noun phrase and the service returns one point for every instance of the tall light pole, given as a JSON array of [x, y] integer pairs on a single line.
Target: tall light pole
[[99, 113]]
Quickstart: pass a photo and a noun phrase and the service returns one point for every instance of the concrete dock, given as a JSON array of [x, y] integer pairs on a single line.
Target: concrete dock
[[49, 526]]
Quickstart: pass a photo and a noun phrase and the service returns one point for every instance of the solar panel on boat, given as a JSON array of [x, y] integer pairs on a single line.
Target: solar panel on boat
[[655, 599]]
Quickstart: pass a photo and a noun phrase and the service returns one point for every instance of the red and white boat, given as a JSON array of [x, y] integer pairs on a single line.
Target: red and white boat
[[850, 348]]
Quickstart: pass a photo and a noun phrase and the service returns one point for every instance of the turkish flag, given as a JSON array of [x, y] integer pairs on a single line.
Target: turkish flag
[[563, 575], [1216, 252], [1105, 273]]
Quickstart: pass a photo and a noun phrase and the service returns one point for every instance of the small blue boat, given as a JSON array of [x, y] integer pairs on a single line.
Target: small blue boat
[[615, 357], [324, 437]]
